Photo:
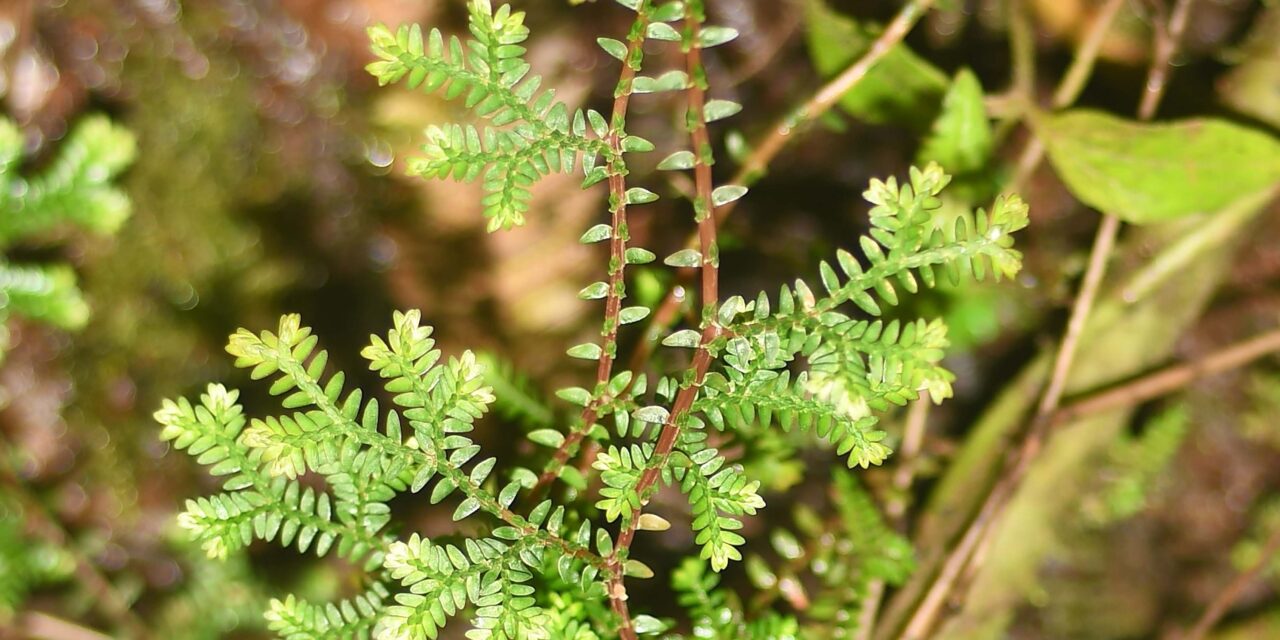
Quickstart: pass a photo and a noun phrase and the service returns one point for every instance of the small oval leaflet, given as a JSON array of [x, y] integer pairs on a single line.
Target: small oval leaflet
[[663, 31], [637, 255], [632, 314], [714, 36], [546, 437], [684, 258], [676, 161], [575, 395], [653, 414], [636, 144], [594, 291], [613, 47], [585, 351], [686, 338], [719, 109], [596, 234], [726, 194], [640, 195]]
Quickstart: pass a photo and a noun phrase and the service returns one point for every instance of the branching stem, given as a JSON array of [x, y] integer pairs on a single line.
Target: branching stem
[[768, 147], [705, 214], [617, 255], [966, 556]]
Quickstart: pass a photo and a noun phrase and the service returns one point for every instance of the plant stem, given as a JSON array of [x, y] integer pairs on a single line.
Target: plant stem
[[896, 506], [1172, 378], [966, 557], [768, 147], [617, 255], [704, 212], [830, 93], [1069, 88], [1223, 601]]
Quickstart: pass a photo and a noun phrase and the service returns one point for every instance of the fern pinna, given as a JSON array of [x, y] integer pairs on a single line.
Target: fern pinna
[[545, 568]]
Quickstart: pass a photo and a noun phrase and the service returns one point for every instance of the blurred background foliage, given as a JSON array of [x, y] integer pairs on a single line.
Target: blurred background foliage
[[270, 180]]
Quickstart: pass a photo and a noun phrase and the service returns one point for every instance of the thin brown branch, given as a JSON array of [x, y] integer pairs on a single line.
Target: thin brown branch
[[1069, 88], [617, 257], [966, 557], [1223, 601], [1168, 380], [1103, 243], [35, 625], [704, 213], [904, 475]]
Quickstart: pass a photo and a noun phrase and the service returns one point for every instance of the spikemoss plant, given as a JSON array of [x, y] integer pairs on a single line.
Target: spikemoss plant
[[815, 359]]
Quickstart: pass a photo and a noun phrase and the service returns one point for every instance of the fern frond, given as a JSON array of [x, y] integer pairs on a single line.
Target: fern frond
[[514, 395], [733, 398], [489, 574], [227, 522], [44, 293], [490, 74], [75, 189], [1136, 465], [719, 495], [716, 612], [880, 552], [350, 619], [620, 470]]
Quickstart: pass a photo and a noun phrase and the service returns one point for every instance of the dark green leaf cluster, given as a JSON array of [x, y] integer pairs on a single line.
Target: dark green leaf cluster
[[718, 614], [1136, 464], [25, 563], [75, 190]]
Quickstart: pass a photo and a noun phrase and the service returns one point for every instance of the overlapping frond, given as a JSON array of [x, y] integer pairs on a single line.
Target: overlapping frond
[[365, 459], [530, 134], [74, 191]]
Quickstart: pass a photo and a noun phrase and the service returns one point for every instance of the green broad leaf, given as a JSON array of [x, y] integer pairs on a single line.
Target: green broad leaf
[[640, 195], [1145, 173], [719, 109], [613, 47], [902, 88], [585, 351], [637, 255], [676, 161], [684, 258], [961, 140], [546, 437], [632, 314], [597, 233], [652, 414], [726, 194], [685, 338]]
